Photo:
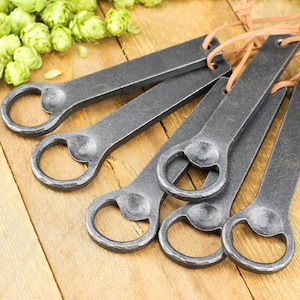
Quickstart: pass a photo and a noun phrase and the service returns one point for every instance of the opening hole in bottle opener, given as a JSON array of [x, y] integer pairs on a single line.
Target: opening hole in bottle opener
[[192, 179], [192, 242], [27, 111], [255, 247], [110, 222], [197, 176], [57, 163]]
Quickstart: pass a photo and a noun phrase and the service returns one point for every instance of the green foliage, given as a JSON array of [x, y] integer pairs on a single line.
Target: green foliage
[[31, 28]]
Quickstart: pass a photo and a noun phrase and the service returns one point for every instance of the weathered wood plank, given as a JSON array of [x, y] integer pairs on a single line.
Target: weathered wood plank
[[82, 269], [25, 272], [286, 283]]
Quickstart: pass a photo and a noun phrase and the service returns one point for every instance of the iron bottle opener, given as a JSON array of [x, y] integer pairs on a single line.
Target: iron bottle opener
[[93, 144], [268, 214], [141, 199], [62, 99], [211, 214], [210, 148]]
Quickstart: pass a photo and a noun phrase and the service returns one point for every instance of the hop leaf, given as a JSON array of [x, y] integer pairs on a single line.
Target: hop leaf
[[83, 53], [52, 74]]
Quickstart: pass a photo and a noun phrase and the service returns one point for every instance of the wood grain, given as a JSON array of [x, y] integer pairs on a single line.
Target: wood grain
[[65, 262], [21, 253]]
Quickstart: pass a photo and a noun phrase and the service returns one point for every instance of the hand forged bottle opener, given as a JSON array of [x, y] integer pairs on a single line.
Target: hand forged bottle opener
[[141, 199], [92, 145], [60, 100], [210, 215], [268, 214], [209, 149]]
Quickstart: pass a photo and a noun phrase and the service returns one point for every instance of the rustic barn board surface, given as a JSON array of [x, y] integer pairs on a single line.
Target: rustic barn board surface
[[46, 252]]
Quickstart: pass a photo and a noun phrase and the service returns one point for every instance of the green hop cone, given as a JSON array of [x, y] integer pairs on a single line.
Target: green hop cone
[[6, 6], [5, 58], [61, 38], [122, 3], [37, 34], [117, 21], [12, 42], [149, 3], [8, 45], [16, 73], [29, 56], [87, 27], [30, 5], [19, 19], [80, 5], [1, 68], [56, 12], [4, 25]]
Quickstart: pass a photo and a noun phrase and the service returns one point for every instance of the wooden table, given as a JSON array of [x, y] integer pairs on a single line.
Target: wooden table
[[45, 250]]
